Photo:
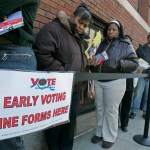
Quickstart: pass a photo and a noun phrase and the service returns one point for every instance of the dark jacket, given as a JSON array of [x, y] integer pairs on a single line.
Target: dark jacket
[[57, 48], [144, 52], [24, 35], [122, 57]]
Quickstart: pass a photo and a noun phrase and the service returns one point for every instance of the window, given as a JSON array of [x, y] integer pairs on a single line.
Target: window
[[139, 6]]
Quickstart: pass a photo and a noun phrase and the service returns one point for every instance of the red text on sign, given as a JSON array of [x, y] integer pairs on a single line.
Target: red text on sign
[[9, 122], [22, 101], [60, 111], [33, 118]]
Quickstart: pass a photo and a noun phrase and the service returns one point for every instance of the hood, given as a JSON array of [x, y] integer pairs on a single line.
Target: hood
[[64, 20], [68, 25]]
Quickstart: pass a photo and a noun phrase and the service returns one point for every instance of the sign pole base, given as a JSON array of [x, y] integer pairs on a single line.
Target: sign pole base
[[141, 140]]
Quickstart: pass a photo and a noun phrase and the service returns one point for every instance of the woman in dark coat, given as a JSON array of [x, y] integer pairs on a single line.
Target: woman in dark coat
[[59, 47], [121, 59]]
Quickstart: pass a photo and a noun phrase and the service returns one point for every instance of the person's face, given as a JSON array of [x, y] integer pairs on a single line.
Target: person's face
[[112, 31], [81, 25]]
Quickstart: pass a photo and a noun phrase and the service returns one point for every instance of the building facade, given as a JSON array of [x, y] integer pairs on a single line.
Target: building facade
[[134, 15]]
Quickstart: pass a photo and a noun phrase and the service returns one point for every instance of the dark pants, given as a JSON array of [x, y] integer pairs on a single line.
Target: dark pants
[[62, 137], [126, 107], [15, 143], [126, 103]]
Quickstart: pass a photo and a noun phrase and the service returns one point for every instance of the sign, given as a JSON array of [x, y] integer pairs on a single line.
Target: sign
[[32, 101]]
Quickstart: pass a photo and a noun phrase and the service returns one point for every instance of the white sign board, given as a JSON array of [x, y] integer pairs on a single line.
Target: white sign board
[[32, 101]]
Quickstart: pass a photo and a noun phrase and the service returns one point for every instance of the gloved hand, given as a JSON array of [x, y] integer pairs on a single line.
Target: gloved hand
[[146, 70], [3, 18], [92, 61]]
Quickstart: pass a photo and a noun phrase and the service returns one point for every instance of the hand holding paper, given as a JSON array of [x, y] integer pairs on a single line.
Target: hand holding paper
[[92, 61], [98, 59], [142, 66]]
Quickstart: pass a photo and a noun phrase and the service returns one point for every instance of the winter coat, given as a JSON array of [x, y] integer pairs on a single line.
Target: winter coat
[[144, 52], [122, 57], [57, 48]]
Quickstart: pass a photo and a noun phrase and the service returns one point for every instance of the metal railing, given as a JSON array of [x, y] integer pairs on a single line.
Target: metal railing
[[141, 139]]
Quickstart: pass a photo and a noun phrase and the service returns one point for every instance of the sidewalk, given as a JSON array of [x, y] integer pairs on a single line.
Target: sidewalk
[[124, 140]]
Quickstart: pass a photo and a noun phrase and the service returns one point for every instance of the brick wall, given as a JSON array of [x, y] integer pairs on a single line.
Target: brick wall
[[104, 9]]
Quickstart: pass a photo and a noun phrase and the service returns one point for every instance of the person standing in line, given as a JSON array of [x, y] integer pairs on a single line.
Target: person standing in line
[[141, 90], [16, 49], [127, 100], [59, 47], [121, 59]]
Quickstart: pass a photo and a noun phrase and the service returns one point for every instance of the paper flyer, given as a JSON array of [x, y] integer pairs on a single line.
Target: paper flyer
[[13, 21], [100, 58], [142, 66], [143, 63], [92, 48]]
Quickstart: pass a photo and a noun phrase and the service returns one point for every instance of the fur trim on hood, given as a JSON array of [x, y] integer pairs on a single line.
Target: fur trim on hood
[[64, 20], [71, 27]]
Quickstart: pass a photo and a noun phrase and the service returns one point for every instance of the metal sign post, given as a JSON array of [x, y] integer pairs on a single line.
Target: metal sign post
[[144, 139]]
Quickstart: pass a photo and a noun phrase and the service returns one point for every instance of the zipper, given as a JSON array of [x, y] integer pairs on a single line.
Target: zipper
[[5, 55]]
